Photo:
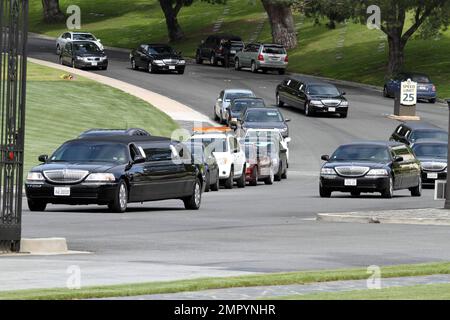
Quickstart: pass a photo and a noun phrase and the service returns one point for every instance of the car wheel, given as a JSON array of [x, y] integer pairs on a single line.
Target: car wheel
[[432, 101], [181, 72], [324, 193], [74, 64], [207, 180], [216, 185], [133, 64], [213, 60], [385, 92], [388, 193], [344, 115], [285, 174], [61, 60], [241, 182], [216, 117], [198, 58], [150, 68], [308, 112], [270, 179], [255, 177], [230, 181], [58, 49], [36, 205], [280, 103], [237, 65], [120, 202], [254, 68], [281, 71], [417, 191], [195, 200]]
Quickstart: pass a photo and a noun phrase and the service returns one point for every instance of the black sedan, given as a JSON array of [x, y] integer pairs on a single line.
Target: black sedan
[[208, 164], [312, 97], [157, 58], [114, 171], [432, 155], [83, 54], [263, 118], [239, 105], [371, 166]]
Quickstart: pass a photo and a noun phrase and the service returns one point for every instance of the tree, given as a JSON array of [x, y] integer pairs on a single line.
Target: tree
[[336, 12], [281, 22], [52, 13], [171, 9]]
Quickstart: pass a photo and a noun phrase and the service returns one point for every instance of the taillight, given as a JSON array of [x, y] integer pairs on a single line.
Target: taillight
[[260, 57], [286, 59], [434, 88], [249, 170]]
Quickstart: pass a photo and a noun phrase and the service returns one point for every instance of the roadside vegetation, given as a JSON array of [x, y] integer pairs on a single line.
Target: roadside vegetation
[[348, 52], [59, 110], [302, 277]]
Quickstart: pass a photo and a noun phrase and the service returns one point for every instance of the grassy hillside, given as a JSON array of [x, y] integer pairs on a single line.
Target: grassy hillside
[[59, 110], [349, 52]]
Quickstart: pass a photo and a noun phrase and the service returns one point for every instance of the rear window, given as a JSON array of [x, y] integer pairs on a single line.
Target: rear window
[[235, 95], [240, 105], [421, 79], [274, 50], [264, 116]]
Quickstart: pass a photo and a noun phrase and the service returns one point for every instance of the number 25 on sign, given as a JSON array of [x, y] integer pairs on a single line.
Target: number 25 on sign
[[408, 93]]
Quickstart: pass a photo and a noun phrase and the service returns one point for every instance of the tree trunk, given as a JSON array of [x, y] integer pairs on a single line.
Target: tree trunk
[[396, 54], [171, 13], [282, 23], [52, 13]]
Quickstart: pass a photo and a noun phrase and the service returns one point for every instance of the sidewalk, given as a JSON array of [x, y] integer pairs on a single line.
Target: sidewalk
[[252, 293]]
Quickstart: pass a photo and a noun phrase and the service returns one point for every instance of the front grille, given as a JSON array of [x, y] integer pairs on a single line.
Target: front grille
[[65, 176], [170, 61], [331, 102], [434, 166], [352, 171]]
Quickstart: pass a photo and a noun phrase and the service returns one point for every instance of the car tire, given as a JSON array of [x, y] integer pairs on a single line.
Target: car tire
[[385, 92], [285, 173], [281, 71], [61, 61], [216, 186], [216, 117], [280, 104], [74, 64], [230, 180], [388, 193], [417, 191], [253, 67], [198, 58], [432, 101], [181, 72], [270, 179], [308, 112], [255, 177], [324, 193], [150, 68], [213, 60], [133, 64], [36, 205], [344, 115], [241, 181], [120, 202], [237, 65], [194, 201], [58, 49]]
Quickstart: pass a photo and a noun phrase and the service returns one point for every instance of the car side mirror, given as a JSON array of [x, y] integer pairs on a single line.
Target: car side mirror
[[138, 160], [398, 159], [325, 158], [287, 120], [43, 158], [99, 40]]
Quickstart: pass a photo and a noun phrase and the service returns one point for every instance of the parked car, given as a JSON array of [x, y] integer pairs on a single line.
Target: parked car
[[208, 162], [227, 150], [83, 54], [157, 58], [114, 132], [259, 167], [371, 166], [265, 57], [69, 36], [263, 118], [114, 171], [270, 133], [411, 131], [224, 100], [433, 160], [312, 97], [426, 90], [217, 47], [239, 105]]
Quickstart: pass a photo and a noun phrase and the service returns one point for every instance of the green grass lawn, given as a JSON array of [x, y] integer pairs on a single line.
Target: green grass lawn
[[302, 277], [126, 24], [59, 110], [422, 292]]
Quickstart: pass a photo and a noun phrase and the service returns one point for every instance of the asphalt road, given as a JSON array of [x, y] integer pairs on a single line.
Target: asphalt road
[[261, 229]]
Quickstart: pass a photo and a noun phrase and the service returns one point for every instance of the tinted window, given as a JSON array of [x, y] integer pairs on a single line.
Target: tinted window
[[263, 116], [421, 79], [274, 50], [160, 50], [403, 152], [158, 154], [323, 89], [429, 134], [239, 105], [91, 152], [83, 36], [431, 150], [294, 84], [234, 95], [361, 153], [86, 47]]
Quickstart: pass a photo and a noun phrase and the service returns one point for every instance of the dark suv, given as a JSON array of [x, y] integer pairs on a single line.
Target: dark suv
[[410, 132], [216, 48]]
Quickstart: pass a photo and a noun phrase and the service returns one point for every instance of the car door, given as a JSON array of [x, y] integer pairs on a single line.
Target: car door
[[67, 54], [219, 102], [301, 97], [404, 168], [243, 55], [292, 93], [138, 178], [142, 56], [238, 155]]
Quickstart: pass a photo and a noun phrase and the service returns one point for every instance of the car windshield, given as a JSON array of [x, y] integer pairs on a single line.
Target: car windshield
[[323, 89], [161, 50], [212, 144], [429, 134], [263, 116], [240, 105], [361, 153], [274, 50], [86, 47], [83, 36], [83, 151], [234, 95], [430, 150]]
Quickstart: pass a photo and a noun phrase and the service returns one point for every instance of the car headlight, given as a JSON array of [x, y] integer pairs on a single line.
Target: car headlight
[[327, 172], [316, 103], [344, 104], [79, 58], [104, 58], [378, 172], [284, 129], [158, 62], [182, 62], [35, 177], [101, 177]]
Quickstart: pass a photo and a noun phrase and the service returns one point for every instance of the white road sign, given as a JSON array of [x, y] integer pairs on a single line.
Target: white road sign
[[408, 93]]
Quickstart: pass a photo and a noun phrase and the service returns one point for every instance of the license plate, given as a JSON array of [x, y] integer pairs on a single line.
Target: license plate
[[331, 109], [350, 182], [233, 51], [62, 191], [422, 88], [171, 67], [432, 175], [94, 64]]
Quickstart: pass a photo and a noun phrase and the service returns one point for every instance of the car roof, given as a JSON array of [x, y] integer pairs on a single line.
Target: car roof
[[375, 143], [77, 32], [309, 81], [125, 139], [418, 125], [237, 90]]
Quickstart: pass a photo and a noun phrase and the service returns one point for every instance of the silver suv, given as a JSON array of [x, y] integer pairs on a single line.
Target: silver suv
[[263, 57]]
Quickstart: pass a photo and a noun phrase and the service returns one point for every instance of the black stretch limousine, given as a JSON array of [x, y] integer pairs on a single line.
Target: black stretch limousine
[[115, 171]]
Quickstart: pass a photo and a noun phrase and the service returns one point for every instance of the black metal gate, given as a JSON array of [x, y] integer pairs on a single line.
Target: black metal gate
[[13, 41]]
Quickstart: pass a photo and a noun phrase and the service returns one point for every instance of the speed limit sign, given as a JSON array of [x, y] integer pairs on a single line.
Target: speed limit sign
[[408, 93]]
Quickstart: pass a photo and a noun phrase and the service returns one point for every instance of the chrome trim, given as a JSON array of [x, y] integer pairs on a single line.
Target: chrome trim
[[352, 171], [64, 176]]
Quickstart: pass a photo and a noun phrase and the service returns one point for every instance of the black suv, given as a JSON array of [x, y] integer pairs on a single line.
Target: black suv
[[409, 132], [157, 57], [217, 48], [312, 96]]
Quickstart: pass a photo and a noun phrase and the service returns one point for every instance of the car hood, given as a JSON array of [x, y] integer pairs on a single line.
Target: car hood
[[430, 159], [91, 167], [265, 125]]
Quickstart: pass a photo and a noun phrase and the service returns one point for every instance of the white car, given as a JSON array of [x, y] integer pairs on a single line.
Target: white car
[[228, 152], [224, 100], [75, 36]]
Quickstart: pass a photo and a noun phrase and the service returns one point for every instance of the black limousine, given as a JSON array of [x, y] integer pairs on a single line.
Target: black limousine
[[371, 166], [115, 171]]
